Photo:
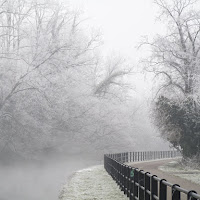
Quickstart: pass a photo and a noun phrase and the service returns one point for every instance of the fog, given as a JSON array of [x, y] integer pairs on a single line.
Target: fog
[[81, 78], [39, 180], [72, 88]]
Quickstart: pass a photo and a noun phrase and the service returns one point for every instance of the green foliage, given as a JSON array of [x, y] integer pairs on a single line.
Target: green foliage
[[179, 123]]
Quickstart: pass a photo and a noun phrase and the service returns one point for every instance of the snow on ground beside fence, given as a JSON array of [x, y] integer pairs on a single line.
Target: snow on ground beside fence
[[176, 169], [91, 184]]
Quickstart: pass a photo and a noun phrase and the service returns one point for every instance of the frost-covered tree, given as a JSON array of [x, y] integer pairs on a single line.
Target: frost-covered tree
[[175, 63], [110, 76], [175, 55], [40, 41]]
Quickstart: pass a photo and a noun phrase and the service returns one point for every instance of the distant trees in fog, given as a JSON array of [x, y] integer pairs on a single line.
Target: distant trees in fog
[[54, 87]]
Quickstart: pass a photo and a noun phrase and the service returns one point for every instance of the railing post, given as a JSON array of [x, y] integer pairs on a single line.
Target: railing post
[[154, 187], [136, 180], [141, 183], [175, 193], [147, 186], [125, 179], [141, 156], [120, 175], [132, 184], [129, 182], [163, 190]]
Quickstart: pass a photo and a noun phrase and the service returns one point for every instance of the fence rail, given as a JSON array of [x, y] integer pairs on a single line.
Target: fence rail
[[140, 185], [142, 156]]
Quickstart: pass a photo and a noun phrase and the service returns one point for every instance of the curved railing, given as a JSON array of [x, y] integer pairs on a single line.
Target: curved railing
[[140, 185], [143, 155]]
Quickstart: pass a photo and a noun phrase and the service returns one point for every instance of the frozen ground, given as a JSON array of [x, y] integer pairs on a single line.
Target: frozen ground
[[178, 170], [92, 184]]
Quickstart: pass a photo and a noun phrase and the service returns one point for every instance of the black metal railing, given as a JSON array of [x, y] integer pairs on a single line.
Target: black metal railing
[[142, 156], [140, 185]]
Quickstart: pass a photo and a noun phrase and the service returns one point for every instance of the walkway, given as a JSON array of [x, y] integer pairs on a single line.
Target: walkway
[[152, 167]]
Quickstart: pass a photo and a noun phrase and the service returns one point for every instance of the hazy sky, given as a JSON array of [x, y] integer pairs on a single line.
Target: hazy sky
[[122, 22]]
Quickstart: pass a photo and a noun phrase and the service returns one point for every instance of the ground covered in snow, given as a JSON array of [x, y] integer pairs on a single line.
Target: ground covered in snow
[[92, 184], [177, 169]]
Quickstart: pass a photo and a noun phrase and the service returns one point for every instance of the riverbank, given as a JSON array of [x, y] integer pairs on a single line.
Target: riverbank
[[92, 183]]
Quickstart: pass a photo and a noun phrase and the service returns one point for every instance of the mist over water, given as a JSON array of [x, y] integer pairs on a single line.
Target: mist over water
[[38, 181]]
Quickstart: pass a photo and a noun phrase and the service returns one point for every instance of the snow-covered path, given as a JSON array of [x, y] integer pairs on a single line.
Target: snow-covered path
[[92, 183]]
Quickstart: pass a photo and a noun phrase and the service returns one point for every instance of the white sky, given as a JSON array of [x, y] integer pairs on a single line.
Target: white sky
[[122, 22]]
